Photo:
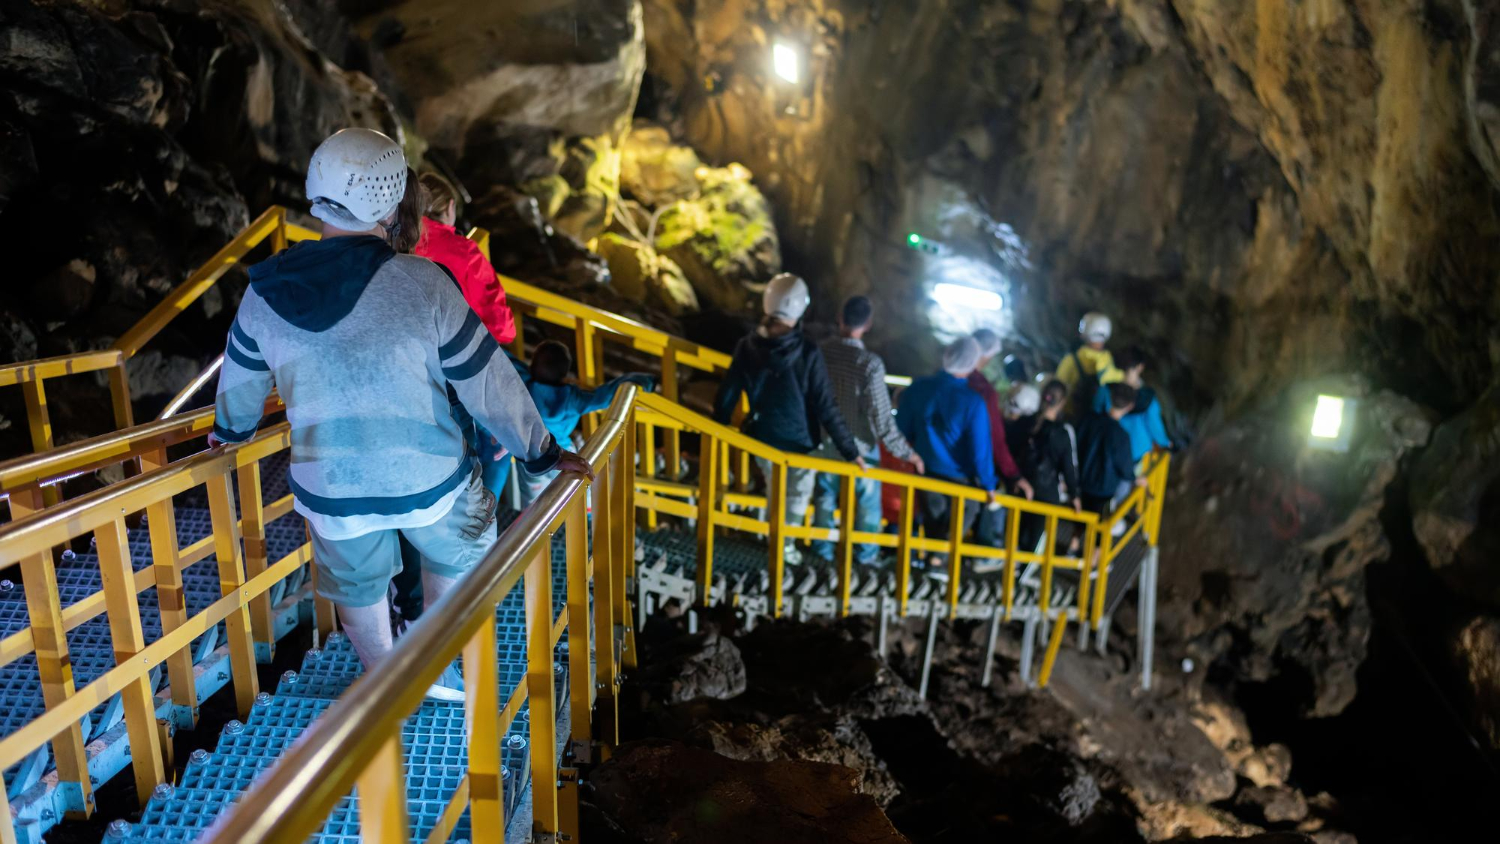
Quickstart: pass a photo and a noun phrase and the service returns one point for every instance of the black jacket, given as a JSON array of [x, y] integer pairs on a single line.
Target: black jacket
[[791, 399], [1103, 455], [1046, 453]]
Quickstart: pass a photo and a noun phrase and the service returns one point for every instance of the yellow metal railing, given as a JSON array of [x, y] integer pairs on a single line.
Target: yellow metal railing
[[714, 496], [357, 743], [246, 576], [32, 375]]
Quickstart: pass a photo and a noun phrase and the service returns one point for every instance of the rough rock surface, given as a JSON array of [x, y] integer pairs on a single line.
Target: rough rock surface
[[134, 142], [704, 666], [1476, 650], [665, 791], [1455, 501], [1280, 586]]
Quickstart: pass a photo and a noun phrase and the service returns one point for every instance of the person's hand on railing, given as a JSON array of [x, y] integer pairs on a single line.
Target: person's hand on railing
[[213, 441], [1078, 506], [1141, 481], [917, 465], [570, 462], [860, 462], [1025, 487]]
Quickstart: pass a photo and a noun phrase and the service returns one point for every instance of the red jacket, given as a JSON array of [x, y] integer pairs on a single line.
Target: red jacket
[[476, 278], [1003, 461]]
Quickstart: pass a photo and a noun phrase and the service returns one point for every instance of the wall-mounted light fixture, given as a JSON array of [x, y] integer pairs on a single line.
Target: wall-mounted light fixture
[[786, 61], [1332, 419], [960, 296]]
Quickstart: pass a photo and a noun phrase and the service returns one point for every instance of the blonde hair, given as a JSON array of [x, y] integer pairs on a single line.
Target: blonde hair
[[437, 193]]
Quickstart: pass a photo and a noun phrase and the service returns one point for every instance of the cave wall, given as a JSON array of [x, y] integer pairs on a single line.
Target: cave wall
[[1258, 192], [136, 138]]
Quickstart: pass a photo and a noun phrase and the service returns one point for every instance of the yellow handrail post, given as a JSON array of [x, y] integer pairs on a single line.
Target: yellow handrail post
[[606, 559], [539, 689], [518, 345], [955, 547], [231, 578], [776, 535], [1054, 644], [44, 611], [742, 472], [708, 494], [253, 525], [624, 525], [647, 451], [129, 639], [7, 826], [1104, 539], [845, 547], [382, 797], [482, 714], [575, 533], [1012, 546], [1049, 553], [583, 354], [669, 390], [278, 235], [903, 548], [161, 518], [39, 421], [119, 396]]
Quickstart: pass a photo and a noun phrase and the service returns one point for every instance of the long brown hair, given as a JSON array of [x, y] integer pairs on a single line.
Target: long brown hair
[[404, 233], [437, 193]]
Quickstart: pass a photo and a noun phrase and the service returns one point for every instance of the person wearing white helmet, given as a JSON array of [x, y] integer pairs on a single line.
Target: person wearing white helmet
[[783, 375], [1083, 370], [362, 343], [948, 424]]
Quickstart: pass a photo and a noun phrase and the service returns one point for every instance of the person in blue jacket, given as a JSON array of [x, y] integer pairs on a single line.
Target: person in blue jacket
[[1144, 423], [562, 404], [949, 425]]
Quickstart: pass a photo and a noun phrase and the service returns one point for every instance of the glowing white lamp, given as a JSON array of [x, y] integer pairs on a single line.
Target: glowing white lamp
[[1331, 422], [1328, 418], [787, 62], [963, 296]]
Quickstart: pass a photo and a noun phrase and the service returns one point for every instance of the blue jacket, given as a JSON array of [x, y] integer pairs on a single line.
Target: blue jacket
[[1144, 423], [1103, 456], [562, 405], [948, 424]]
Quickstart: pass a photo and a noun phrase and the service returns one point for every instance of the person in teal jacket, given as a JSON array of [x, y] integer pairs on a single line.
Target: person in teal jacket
[[1144, 423], [561, 404]]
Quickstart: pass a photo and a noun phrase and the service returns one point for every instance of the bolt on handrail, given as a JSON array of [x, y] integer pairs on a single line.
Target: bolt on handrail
[[357, 742]]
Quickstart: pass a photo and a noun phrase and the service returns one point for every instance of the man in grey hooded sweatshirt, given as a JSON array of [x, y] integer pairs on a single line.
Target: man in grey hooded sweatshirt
[[363, 344]]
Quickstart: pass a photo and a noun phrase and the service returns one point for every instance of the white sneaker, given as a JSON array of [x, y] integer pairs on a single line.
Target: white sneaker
[[440, 692]]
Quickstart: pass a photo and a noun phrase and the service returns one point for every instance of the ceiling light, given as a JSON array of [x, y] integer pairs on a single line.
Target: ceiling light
[[787, 62], [963, 296]]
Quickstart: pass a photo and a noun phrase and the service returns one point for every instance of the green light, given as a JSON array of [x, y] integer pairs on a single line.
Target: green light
[[913, 238]]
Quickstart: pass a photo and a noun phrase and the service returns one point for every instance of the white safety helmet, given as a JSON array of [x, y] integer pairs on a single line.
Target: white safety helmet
[[1094, 327], [786, 298], [356, 179], [1024, 400]]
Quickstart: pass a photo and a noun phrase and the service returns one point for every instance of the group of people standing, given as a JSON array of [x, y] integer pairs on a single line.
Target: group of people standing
[[385, 340], [1076, 441]]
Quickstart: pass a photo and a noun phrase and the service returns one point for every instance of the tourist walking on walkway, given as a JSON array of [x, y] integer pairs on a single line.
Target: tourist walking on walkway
[[1143, 423], [1090, 365], [858, 379], [1105, 468], [1048, 457], [949, 426], [783, 375], [362, 344]]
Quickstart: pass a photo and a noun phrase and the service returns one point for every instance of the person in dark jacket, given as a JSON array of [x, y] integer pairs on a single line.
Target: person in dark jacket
[[1106, 470], [1048, 458], [785, 378]]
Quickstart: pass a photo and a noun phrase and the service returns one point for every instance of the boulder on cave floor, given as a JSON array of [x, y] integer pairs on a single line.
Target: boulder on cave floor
[[702, 665], [655, 170], [725, 240], [666, 791], [638, 272]]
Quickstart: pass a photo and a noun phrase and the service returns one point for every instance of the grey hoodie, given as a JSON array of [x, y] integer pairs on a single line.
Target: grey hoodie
[[362, 344]]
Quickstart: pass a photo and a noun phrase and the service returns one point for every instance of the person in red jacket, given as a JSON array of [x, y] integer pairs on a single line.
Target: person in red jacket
[[443, 244], [989, 528]]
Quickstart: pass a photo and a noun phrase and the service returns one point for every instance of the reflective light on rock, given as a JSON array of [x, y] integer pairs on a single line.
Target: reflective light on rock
[[959, 296], [1328, 418], [787, 62]]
